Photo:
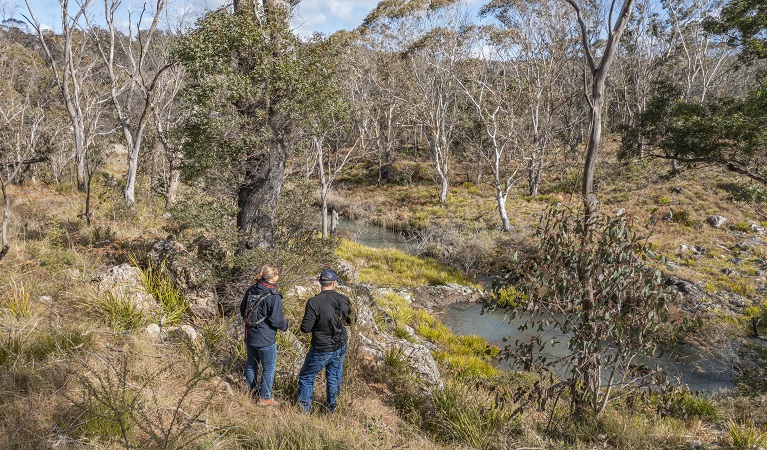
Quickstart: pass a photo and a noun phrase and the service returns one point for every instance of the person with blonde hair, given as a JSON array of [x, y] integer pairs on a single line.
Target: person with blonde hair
[[262, 310]]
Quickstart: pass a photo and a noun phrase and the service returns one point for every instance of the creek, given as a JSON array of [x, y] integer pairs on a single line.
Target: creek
[[684, 362]]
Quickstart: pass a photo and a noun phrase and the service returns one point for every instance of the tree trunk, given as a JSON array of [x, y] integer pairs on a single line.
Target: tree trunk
[[130, 183], [257, 197], [174, 180], [80, 157], [501, 201], [534, 173], [333, 221], [6, 216], [324, 218]]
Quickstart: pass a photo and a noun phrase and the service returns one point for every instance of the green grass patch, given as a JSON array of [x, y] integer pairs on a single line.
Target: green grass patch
[[394, 268]]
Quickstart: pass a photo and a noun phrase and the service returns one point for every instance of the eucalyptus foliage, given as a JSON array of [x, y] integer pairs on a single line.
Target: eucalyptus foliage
[[590, 283]]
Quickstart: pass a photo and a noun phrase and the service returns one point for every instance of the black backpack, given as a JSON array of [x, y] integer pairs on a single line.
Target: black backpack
[[251, 308]]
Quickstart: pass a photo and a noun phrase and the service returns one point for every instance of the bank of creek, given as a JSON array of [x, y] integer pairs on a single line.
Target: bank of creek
[[683, 362]]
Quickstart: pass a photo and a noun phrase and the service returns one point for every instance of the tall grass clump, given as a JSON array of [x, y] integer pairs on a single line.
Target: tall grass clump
[[390, 268], [17, 302], [746, 436], [117, 312], [160, 285]]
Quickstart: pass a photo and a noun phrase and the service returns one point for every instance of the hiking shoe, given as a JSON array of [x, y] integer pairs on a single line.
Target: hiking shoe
[[268, 402]]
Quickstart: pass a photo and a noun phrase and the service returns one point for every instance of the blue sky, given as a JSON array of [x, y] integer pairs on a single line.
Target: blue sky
[[309, 16], [325, 16]]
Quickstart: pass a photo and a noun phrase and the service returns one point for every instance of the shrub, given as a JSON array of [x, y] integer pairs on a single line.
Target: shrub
[[509, 297], [743, 226], [589, 281]]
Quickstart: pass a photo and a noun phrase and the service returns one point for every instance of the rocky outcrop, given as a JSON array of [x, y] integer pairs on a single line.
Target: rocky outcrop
[[183, 266], [435, 298], [124, 282], [693, 299], [416, 358]]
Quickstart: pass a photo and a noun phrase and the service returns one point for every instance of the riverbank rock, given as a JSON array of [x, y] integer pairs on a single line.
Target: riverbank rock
[[416, 359], [693, 299], [124, 282], [435, 298]]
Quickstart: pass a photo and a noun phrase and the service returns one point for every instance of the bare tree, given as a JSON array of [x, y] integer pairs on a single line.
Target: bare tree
[[22, 120], [494, 97], [72, 71], [140, 69]]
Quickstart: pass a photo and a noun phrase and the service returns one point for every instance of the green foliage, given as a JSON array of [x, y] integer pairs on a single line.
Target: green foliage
[[589, 281], [724, 131], [388, 267], [746, 436], [26, 344], [757, 317], [246, 70], [742, 22], [750, 375], [509, 297], [16, 303], [195, 211], [751, 193], [682, 216], [742, 226], [683, 404]]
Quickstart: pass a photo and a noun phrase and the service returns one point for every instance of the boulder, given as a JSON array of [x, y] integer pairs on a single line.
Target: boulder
[[182, 333], [153, 330], [716, 220], [435, 298], [417, 358], [757, 228], [124, 282]]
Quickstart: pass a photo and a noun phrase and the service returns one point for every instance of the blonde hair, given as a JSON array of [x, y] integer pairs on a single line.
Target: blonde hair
[[267, 273]]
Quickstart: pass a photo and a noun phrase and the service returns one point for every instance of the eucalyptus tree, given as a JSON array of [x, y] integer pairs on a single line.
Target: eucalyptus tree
[[597, 70], [24, 114], [250, 83], [537, 41], [135, 65], [493, 96], [76, 76], [698, 60], [433, 38]]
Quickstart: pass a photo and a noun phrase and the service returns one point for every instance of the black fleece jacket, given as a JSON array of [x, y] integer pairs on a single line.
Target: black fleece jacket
[[324, 317]]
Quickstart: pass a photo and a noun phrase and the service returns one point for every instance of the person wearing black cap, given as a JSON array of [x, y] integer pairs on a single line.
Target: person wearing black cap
[[325, 316]]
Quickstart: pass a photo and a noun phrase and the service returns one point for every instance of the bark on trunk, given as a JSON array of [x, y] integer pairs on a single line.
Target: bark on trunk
[[257, 197], [174, 180], [501, 201], [6, 215]]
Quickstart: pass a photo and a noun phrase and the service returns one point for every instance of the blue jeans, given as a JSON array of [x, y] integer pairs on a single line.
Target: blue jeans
[[267, 357], [333, 363]]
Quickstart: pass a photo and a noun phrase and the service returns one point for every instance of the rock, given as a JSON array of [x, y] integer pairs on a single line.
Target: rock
[[46, 299], [124, 282], [434, 298], [346, 271], [694, 299], [757, 228], [677, 190], [171, 256], [182, 333], [716, 220], [417, 358], [153, 330], [727, 271]]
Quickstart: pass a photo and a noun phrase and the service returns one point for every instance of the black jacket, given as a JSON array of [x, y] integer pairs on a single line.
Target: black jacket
[[324, 317], [265, 333]]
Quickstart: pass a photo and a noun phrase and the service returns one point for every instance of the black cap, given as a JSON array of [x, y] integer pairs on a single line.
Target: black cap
[[329, 275]]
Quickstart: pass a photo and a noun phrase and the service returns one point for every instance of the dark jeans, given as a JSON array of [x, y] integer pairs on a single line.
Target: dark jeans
[[333, 363], [267, 357]]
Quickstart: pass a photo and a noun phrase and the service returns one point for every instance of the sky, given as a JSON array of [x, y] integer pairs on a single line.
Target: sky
[[309, 16]]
